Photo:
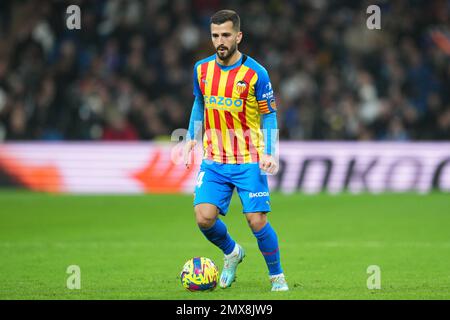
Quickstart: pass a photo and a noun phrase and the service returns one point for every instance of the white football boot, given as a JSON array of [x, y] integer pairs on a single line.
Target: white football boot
[[231, 262], [279, 283]]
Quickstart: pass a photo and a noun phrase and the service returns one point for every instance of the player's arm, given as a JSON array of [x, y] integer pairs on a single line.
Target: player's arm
[[195, 122], [196, 119], [270, 129], [267, 109]]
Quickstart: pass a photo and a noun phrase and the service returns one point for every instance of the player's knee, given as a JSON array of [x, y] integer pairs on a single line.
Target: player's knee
[[205, 223], [205, 216], [256, 221]]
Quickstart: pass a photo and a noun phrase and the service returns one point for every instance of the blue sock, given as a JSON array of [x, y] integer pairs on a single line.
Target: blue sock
[[218, 235], [268, 245]]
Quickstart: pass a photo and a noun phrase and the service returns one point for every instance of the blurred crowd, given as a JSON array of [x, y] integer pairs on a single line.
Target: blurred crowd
[[127, 73]]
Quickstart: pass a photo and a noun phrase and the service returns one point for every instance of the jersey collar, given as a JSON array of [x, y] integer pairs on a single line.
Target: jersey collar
[[234, 65]]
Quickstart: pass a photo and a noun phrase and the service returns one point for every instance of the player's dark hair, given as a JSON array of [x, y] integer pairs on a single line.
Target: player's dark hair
[[223, 16]]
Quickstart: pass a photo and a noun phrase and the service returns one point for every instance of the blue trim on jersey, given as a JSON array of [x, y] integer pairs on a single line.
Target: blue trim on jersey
[[257, 67], [263, 86], [234, 65], [264, 91]]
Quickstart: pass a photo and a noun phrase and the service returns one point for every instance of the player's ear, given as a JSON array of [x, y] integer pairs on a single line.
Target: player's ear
[[239, 37]]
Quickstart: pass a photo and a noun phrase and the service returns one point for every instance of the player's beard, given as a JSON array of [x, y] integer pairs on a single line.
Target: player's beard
[[227, 54]]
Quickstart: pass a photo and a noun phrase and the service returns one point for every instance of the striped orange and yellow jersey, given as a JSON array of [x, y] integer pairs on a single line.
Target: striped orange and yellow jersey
[[234, 98]]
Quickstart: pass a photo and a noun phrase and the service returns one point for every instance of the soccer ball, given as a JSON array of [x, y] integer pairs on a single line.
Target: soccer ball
[[199, 274]]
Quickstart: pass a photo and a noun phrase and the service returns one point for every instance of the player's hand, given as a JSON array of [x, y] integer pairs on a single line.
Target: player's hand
[[188, 148], [268, 164]]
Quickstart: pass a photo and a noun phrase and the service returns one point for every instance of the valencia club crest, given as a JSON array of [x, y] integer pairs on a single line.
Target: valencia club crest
[[241, 86]]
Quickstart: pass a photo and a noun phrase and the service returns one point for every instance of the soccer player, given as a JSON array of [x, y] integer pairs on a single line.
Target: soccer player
[[233, 94]]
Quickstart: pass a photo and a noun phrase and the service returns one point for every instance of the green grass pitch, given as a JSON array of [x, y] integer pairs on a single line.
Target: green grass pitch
[[133, 247]]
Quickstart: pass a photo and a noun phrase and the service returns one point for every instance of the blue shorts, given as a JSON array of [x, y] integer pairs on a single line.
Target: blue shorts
[[216, 182]]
